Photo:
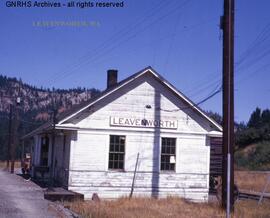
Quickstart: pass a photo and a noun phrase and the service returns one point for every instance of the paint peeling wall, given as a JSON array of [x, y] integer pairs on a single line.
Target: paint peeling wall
[[89, 169]]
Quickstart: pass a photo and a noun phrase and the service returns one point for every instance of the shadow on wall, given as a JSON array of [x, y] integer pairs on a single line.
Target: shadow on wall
[[156, 149]]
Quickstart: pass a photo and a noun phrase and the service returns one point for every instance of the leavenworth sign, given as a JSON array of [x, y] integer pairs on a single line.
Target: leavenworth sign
[[137, 122]]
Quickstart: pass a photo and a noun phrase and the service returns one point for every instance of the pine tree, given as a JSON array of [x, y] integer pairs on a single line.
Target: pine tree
[[266, 117], [255, 119]]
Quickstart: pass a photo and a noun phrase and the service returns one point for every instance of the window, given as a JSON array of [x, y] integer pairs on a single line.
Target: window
[[117, 152], [44, 151], [168, 154]]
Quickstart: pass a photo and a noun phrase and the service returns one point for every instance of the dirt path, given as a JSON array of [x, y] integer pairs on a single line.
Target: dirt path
[[20, 198]]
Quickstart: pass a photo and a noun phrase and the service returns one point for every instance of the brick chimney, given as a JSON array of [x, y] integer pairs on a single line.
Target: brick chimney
[[111, 78]]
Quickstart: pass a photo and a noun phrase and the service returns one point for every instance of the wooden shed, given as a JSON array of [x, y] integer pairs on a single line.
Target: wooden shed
[[96, 144]]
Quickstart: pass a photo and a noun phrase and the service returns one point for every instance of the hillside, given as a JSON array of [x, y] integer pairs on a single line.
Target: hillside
[[33, 98], [254, 156], [253, 142], [36, 105]]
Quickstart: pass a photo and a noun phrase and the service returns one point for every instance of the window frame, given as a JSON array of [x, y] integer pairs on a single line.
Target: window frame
[[168, 154], [116, 152]]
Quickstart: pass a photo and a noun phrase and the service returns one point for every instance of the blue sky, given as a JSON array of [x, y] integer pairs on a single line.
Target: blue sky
[[180, 39]]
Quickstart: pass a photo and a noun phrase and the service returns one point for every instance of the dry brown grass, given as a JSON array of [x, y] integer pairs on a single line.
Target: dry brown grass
[[251, 209], [169, 207], [251, 181], [176, 207], [3, 164]]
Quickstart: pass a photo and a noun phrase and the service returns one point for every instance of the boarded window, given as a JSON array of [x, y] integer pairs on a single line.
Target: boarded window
[[168, 154], [44, 151], [117, 152]]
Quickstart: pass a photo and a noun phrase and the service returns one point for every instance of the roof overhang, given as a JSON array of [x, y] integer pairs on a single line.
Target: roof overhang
[[161, 79], [59, 125]]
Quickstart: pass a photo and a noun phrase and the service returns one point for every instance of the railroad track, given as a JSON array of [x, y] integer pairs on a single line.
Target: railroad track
[[246, 195], [252, 196]]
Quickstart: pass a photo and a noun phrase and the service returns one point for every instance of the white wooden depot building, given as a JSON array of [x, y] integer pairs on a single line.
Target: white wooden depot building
[[96, 144]]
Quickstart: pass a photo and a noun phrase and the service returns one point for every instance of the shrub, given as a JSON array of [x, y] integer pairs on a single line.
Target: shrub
[[257, 159]]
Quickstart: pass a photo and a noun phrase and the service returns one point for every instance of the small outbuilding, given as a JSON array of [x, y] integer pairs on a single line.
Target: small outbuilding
[[140, 133]]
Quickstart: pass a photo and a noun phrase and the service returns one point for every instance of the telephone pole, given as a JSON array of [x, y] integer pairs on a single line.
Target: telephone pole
[[9, 135], [52, 165], [15, 135], [228, 107]]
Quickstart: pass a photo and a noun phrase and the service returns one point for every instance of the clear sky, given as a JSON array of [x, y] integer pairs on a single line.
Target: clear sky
[[180, 39]]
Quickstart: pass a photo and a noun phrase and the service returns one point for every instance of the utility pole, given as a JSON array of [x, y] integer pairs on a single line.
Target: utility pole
[[15, 135], [228, 107], [23, 146], [9, 135], [52, 152], [13, 141]]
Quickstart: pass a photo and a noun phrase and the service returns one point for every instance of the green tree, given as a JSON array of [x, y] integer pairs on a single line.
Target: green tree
[[266, 117], [255, 119], [215, 116]]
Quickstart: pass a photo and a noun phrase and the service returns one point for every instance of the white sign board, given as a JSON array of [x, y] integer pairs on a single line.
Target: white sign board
[[172, 159], [146, 123]]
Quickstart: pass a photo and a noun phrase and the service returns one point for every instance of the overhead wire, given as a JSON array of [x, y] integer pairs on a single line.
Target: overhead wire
[[257, 42], [261, 37], [117, 36], [212, 94], [256, 51], [130, 36], [172, 40]]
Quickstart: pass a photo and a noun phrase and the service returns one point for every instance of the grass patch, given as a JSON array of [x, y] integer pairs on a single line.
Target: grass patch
[[160, 208], [251, 181]]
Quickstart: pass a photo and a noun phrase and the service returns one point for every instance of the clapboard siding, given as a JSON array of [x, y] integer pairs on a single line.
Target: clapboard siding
[[216, 157], [116, 184], [89, 168], [90, 152], [143, 179], [196, 195]]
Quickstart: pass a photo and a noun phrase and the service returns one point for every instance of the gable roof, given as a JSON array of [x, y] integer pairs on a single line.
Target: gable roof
[[63, 117]]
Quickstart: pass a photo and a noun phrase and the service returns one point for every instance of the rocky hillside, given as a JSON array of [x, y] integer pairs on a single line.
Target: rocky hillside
[[39, 100]]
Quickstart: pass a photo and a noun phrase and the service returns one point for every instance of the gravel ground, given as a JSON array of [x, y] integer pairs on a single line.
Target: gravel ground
[[20, 198]]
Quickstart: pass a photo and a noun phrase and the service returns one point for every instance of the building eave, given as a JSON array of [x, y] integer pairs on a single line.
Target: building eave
[[70, 114], [162, 80], [39, 130]]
